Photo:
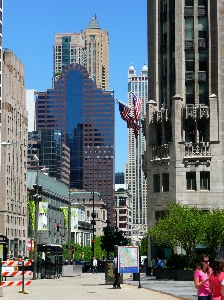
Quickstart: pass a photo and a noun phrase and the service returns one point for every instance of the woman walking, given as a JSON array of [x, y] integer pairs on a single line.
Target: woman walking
[[201, 279], [216, 278]]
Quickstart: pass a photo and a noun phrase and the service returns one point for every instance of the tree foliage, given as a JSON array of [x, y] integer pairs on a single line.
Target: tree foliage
[[179, 227], [213, 231], [189, 226], [144, 246], [84, 253], [112, 237]]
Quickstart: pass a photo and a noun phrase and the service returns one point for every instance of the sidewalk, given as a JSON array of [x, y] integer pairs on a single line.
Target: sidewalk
[[180, 289], [92, 286]]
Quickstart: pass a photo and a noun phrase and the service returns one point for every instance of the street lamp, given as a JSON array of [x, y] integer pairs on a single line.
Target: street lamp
[[37, 188], [69, 221], [93, 222]]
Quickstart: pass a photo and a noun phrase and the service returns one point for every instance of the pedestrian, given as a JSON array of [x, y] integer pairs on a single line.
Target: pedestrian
[[201, 278], [216, 278], [159, 263], [94, 265], [115, 272]]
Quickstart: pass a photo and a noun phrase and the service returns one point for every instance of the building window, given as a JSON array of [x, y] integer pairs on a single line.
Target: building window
[[156, 183], [165, 182], [203, 60], [164, 33], [203, 129], [202, 2], [189, 2], [189, 28], [164, 6], [159, 214], [164, 95], [172, 31], [203, 93], [190, 132], [190, 93], [189, 60], [202, 27], [191, 181], [205, 181], [172, 64], [164, 66]]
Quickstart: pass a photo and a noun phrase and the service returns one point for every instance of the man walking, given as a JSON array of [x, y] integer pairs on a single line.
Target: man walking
[[115, 272], [94, 265]]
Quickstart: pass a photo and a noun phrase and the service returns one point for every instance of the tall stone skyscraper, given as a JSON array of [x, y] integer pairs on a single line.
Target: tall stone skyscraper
[[184, 128], [97, 52], [134, 176], [90, 48], [68, 48], [14, 134]]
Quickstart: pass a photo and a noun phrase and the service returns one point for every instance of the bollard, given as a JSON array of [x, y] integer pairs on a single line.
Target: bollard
[[23, 276]]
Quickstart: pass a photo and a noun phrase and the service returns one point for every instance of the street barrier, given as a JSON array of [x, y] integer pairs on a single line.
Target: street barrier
[[15, 283], [15, 273]]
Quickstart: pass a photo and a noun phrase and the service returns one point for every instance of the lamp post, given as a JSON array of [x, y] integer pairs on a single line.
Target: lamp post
[[37, 188], [93, 222], [69, 222]]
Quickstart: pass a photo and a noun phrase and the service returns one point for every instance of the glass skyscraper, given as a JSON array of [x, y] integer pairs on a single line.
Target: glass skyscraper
[[85, 116]]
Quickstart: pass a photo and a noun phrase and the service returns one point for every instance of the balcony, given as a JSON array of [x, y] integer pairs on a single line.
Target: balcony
[[160, 153], [161, 115], [195, 111], [197, 153]]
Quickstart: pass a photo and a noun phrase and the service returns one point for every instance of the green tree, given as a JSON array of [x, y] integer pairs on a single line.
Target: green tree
[[213, 231], [98, 252], [144, 246], [181, 226], [112, 237]]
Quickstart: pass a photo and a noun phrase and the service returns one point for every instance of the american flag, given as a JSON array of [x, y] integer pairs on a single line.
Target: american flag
[[124, 111], [137, 107], [131, 124]]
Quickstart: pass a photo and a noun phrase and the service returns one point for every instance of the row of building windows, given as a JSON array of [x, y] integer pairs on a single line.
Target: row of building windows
[[191, 183]]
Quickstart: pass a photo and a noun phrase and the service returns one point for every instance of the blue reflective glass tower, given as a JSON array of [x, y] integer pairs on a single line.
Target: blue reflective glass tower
[[85, 116]]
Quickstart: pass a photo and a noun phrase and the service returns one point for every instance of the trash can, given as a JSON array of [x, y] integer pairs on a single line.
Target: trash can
[[136, 276], [109, 276]]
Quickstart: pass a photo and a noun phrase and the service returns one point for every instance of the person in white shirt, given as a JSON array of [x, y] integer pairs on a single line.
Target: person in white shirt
[[94, 265], [115, 271]]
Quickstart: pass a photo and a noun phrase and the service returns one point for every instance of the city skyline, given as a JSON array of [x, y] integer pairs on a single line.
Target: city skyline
[[39, 26]]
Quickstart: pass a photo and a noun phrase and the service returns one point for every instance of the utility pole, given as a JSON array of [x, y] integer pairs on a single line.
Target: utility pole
[[69, 222], [37, 188], [93, 222]]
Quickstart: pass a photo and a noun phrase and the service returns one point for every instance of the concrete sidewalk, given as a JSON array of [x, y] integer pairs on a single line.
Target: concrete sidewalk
[[180, 289], [84, 287]]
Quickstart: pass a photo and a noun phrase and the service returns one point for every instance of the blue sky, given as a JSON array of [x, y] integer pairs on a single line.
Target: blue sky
[[29, 27]]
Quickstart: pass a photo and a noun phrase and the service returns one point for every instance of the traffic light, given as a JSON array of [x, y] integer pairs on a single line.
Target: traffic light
[[92, 246], [58, 227], [73, 249]]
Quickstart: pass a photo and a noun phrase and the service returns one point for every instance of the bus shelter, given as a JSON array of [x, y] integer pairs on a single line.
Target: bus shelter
[[50, 261]]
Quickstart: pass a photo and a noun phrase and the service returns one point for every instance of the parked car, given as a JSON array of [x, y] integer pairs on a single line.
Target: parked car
[[85, 265]]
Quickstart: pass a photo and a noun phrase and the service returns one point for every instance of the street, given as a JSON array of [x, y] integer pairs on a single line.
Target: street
[[89, 286]]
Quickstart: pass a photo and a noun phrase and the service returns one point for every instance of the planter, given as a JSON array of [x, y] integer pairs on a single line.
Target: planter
[[169, 274], [185, 275], [158, 273], [174, 274], [148, 271]]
